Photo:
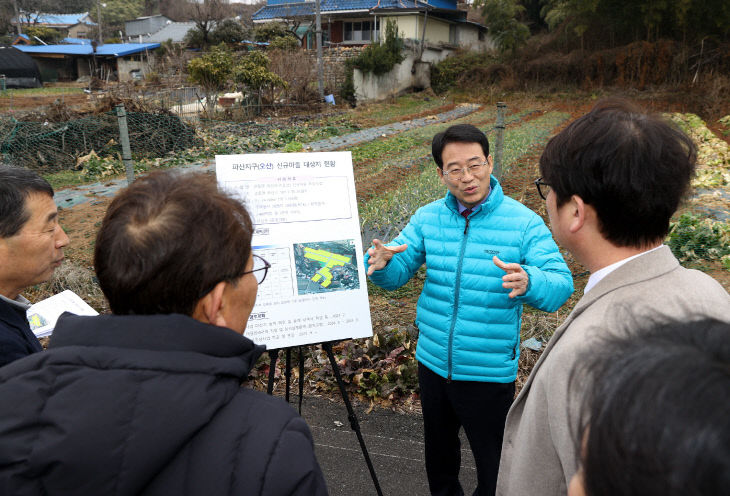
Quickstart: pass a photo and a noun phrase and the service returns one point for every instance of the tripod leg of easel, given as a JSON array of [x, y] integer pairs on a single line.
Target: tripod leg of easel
[[287, 373], [301, 378], [273, 355], [351, 415]]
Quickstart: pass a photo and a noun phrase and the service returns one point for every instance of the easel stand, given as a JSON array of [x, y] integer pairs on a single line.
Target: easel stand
[[354, 424]]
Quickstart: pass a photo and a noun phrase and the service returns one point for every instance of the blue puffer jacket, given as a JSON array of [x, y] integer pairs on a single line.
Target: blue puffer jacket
[[469, 327]]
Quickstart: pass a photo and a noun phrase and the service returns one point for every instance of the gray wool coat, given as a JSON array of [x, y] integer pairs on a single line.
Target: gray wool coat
[[539, 454]]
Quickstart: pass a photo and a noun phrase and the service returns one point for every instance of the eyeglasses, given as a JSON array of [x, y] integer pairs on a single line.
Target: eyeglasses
[[457, 174], [543, 188], [259, 265]]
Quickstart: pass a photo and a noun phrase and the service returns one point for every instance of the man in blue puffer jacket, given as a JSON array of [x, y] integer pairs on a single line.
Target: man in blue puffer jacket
[[486, 255]]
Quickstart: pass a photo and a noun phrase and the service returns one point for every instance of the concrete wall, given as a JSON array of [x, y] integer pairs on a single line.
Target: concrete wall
[[402, 77], [468, 37], [125, 66]]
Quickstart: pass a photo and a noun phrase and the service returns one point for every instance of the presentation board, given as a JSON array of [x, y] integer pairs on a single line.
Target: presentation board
[[306, 226]]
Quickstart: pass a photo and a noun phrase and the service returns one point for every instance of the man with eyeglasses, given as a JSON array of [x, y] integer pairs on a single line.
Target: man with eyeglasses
[[486, 255], [611, 181], [149, 400]]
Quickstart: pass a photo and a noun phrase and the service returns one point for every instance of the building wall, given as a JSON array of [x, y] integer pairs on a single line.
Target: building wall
[[436, 31], [407, 26], [79, 31], [411, 27], [469, 38], [125, 66]]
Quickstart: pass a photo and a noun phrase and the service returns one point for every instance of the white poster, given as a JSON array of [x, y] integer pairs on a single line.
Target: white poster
[[306, 226], [43, 315]]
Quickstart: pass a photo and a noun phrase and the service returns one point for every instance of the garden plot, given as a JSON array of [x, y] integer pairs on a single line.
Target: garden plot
[[702, 233]]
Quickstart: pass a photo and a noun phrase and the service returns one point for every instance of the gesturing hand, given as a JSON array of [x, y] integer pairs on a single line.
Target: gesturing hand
[[380, 255], [516, 278]]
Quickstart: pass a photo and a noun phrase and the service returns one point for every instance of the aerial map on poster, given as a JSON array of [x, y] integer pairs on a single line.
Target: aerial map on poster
[[306, 226]]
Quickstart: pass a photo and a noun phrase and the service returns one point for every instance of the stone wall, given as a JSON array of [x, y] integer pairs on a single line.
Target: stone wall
[[333, 62]]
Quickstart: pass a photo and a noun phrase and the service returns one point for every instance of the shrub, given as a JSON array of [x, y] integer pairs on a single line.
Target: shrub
[[229, 31], [48, 35], [212, 69], [381, 58], [212, 72], [270, 30], [288, 42], [448, 72], [251, 73]]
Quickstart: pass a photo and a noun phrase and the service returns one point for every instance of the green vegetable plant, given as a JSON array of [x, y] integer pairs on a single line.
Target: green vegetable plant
[[693, 238]]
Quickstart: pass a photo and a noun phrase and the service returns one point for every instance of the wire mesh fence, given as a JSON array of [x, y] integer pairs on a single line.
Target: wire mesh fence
[[52, 147]]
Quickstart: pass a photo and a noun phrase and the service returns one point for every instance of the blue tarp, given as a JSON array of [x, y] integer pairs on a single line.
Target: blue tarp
[[110, 49]]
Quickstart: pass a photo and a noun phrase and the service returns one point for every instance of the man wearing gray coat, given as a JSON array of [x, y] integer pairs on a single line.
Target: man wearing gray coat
[[611, 180]]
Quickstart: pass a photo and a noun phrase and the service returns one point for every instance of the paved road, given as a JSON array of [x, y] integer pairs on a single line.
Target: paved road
[[393, 440]]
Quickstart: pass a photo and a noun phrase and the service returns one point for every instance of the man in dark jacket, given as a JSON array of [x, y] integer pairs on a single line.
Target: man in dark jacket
[[31, 248], [148, 400]]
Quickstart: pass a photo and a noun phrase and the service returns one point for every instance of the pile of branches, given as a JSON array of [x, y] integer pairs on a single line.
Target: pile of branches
[[54, 146]]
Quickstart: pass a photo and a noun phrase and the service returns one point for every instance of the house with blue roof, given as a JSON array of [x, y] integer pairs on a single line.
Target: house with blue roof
[[117, 61], [71, 25], [360, 22]]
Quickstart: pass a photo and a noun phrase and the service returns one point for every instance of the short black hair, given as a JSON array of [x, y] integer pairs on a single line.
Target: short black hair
[[16, 184], [656, 418], [632, 167], [167, 240], [458, 133]]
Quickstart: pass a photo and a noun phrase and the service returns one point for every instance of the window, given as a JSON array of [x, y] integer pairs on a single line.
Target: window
[[81, 34], [358, 31]]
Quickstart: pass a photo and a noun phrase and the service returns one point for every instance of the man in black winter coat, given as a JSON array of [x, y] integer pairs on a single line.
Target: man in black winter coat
[[148, 400], [31, 248]]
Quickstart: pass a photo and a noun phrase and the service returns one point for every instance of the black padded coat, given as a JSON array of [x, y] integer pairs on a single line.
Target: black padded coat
[[16, 338], [152, 405]]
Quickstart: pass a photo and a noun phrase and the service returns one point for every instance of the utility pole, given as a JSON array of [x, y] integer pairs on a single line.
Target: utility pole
[[98, 16], [320, 69], [17, 18]]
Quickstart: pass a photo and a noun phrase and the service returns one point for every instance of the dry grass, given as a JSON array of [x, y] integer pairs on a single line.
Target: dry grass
[[76, 278]]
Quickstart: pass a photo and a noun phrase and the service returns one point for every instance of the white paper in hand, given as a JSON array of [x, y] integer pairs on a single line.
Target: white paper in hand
[[43, 315]]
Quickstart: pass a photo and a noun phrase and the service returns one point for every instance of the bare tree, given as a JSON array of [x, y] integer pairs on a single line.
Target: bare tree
[[245, 11], [206, 14]]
